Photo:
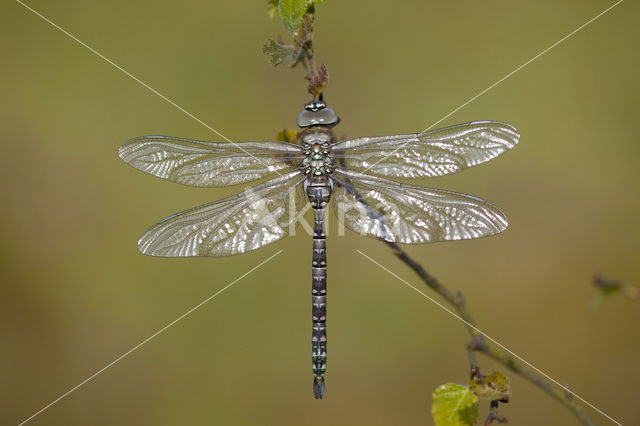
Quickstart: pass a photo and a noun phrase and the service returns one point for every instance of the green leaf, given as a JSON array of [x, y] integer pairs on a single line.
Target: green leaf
[[291, 12], [280, 53], [494, 387], [469, 414], [454, 405], [272, 8]]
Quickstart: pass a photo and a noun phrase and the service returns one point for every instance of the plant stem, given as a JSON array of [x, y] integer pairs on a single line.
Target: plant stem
[[493, 414], [478, 344], [311, 65]]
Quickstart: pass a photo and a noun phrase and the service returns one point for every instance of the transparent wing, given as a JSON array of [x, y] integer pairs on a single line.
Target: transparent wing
[[430, 154], [252, 219], [197, 163], [409, 214]]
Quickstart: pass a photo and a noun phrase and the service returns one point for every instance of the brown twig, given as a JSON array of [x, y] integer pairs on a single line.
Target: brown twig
[[318, 78], [479, 344], [493, 414]]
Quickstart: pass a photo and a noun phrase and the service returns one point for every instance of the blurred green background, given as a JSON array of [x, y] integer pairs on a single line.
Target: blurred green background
[[75, 293]]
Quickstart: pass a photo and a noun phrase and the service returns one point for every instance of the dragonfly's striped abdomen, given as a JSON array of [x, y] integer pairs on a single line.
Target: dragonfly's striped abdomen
[[319, 193]]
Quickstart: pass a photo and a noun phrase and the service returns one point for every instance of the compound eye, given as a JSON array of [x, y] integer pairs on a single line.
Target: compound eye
[[327, 117], [306, 118]]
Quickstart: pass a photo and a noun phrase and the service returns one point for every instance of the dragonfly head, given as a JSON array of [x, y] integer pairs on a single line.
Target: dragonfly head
[[317, 113]]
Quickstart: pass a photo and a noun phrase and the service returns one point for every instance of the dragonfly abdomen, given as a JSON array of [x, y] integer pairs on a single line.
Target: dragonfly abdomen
[[319, 193]]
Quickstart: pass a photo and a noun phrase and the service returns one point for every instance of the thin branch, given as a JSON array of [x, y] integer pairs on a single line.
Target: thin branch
[[318, 78], [478, 344], [493, 414], [474, 370]]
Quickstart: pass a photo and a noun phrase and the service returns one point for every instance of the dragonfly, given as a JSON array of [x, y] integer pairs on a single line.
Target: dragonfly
[[316, 169]]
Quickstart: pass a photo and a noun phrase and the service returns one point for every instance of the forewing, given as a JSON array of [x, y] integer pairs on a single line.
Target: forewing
[[430, 154], [198, 163], [252, 219], [410, 214]]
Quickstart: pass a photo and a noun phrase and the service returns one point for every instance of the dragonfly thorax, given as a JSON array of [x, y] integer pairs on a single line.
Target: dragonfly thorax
[[317, 161], [315, 145]]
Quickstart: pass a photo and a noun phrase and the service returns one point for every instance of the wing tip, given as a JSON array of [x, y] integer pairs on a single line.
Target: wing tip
[[499, 221], [145, 248], [143, 245], [125, 150], [122, 151], [129, 145], [514, 135]]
